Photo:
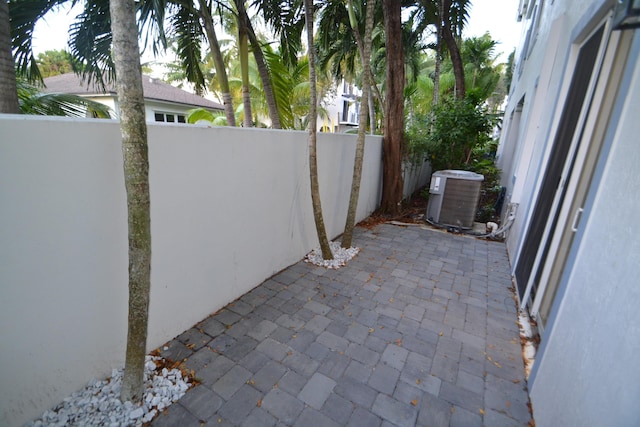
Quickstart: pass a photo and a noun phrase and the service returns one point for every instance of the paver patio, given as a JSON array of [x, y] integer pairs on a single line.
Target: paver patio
[[419, 329]]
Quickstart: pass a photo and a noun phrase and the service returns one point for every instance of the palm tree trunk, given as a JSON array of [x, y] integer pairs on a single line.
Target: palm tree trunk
[[8, 86], [372, 112], [274, 115], [436, 79], [374, 91], [394, 108], [218, 61], [136, 172], [347, 236], [313, 124], [243, 48], [454, 51]]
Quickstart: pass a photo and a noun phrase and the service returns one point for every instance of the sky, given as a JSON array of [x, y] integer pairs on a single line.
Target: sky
[[498, 17]]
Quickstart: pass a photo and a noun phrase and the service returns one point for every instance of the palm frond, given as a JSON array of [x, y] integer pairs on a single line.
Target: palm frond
[[32, 101], [23, 16]]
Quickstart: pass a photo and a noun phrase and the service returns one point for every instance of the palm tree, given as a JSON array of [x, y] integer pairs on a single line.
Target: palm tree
[[33, 101], [449, 17], [313, 159], [136, 171], [265, 76], [483, 74], [218, 60], [392, 186], [8, 87], [347, 236], [339, 48]]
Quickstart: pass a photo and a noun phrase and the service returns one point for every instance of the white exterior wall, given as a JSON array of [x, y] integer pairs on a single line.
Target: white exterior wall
[[229, 208], [152, 106], [587, 373], [541, 81]]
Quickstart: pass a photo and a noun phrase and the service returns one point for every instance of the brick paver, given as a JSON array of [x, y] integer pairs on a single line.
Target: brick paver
[[419, 329]]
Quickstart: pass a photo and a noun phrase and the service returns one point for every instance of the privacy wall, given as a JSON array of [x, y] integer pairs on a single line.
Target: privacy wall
[[229, 208]]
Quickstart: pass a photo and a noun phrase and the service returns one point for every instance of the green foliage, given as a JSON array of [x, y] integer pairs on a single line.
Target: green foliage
[[484, 163], [54, 62], [198, 114], [416, 139], [456, 128], [457, 134], [33, 101]]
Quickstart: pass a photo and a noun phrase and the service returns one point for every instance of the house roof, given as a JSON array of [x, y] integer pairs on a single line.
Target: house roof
[[154, 89]]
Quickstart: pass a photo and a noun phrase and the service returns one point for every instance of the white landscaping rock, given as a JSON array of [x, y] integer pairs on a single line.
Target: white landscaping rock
[[99, 402], [340, 256]]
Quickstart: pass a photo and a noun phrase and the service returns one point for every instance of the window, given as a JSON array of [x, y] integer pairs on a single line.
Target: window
[[169, 117]]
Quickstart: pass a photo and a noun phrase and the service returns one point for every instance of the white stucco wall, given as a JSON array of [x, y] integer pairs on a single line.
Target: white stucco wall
[[229, 207], [541, 80], [587, 373]]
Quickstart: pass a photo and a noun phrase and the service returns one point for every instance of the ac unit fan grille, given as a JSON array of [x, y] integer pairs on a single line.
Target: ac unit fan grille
[[459, 202]]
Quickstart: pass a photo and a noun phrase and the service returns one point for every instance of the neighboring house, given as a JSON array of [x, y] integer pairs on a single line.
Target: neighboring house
[[342, 109], [163, 102], [570, 156]]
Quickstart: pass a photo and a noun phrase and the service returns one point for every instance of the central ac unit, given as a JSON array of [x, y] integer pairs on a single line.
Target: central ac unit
[[453, 198]]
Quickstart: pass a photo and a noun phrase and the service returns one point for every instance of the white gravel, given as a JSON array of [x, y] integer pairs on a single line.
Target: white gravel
[[99, 404], [340, 256]]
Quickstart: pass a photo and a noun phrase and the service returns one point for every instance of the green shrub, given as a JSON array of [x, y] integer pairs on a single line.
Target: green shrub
[[458, 135]]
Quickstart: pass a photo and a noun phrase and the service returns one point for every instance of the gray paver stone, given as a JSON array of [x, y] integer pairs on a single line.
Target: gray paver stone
[[254, 360], [242, 403], [333, 341], [463, 418], [470, 382], [212, 327], [317, 324], [398, 413], [292, 382], [240, 307], [434, 411], [259, 418], [301, 363], [363, 354], [231, 382], [268, 376], [201, 402], [358, 393], [287, 321], [227, 317], [357, 333], [317, 307], [175, 350], [194, 339], [177, 415], [262, 330], [338, 408], [384, 379], [363, 418], [407, 393], [395, 356], [358, 372], [311, 417], [333, 365], [444, 368], [497, 419], [214, 370], [273, 349], [282, 405], [507, 405], [241, 348], [469, 400], [317, 390]]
